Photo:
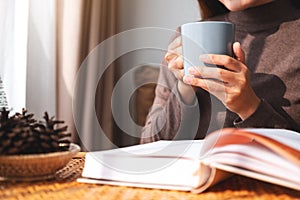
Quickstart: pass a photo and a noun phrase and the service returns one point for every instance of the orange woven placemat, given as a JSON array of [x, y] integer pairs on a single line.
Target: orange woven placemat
[[64, 186]]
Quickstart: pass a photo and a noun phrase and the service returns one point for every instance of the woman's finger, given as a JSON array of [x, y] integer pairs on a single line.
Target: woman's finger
[[238, 52], [222, 60], [176, 63], [174, 49], [174, 66], [216, 73], [215, 87], [175, 43], [171, 54]]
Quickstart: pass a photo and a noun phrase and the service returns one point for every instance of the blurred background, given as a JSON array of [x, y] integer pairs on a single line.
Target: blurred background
[[45, 43]]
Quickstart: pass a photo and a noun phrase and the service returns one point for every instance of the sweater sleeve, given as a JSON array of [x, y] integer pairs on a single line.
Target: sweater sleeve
[[169, 118], [265, 116]]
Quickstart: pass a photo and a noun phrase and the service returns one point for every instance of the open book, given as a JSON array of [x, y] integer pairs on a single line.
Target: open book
[[271, 155]]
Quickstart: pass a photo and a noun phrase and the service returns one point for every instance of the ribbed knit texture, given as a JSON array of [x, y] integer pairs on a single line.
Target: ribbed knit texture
[[270, 38]]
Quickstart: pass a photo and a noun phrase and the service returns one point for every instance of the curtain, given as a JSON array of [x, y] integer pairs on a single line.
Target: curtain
[[81, 26], [13, 54], [40, 69], [27, 35]]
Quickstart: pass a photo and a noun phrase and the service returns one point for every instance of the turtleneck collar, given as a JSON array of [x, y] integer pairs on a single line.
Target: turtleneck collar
[[265, 16]]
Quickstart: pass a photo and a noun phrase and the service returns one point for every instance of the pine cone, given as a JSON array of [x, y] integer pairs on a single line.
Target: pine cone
[[22, 134], [50, 137], [13, 133]]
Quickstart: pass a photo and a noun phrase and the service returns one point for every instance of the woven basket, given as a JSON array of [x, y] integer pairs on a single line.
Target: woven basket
[[35, 166]]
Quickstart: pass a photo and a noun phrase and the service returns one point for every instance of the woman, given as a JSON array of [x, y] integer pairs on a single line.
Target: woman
[[262, 88]]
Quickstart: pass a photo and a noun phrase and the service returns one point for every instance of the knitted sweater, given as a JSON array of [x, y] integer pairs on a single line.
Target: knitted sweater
[[270, 37]]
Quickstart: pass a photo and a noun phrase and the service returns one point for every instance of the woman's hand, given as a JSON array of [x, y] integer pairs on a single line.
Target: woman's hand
[[174, 58], [232, 85], [175, 64]]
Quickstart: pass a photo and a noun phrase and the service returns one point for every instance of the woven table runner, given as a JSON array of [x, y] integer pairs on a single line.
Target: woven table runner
[[64, 186]]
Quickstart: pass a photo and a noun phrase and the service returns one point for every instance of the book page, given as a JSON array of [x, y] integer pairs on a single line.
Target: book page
[[287, 137], [162, 163], [255, 158], [264, 154], [278, 140]]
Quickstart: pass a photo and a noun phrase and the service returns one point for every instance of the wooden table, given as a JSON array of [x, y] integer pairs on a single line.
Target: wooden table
[[65, 187]]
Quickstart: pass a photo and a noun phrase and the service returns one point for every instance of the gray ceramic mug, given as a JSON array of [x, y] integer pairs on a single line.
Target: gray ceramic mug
[[206, 37]]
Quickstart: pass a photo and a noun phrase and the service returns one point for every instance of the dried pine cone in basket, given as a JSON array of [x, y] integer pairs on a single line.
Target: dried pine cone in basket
[[22, 134], [15, 132], [50, 137]]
